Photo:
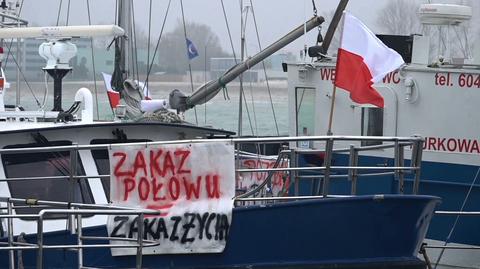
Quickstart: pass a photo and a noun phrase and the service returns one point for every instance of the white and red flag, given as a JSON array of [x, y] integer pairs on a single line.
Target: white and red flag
[[362, 61], [113, 96]]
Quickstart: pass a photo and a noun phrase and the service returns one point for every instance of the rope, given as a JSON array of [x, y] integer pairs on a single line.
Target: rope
[[224, 90], [189, 64], [158, 44], [457, 218], [93, 63], [265, 69]]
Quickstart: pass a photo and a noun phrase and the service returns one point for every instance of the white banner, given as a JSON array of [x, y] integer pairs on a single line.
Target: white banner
[[192, 185], [247, 181]]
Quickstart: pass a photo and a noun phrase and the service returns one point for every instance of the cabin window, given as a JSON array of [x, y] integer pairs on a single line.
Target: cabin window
[[102, 161], [45, 164], [305, 114], [372, 124]]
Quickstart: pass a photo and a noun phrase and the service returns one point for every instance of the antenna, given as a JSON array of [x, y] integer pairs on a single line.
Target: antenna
[[58, 50]]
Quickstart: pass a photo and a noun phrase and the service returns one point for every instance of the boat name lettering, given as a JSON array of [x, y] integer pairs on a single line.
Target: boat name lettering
[[390, 78], [327, 74], [452, 144]]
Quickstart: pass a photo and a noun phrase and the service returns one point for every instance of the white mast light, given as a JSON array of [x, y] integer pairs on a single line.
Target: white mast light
[[61, 32]]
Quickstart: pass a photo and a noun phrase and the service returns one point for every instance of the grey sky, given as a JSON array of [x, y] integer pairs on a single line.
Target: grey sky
[[274, 17]]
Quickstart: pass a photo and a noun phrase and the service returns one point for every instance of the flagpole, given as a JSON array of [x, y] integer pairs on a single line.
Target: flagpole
[[332, 105]]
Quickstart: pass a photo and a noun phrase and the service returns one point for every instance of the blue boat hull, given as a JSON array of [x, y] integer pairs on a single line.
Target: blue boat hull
[[354, 232], [449, 181]]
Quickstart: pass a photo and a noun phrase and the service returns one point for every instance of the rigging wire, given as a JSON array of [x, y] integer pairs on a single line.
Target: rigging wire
[[457, 218], [265, 69], [225, 92], [255, 121], [134, 47], [158, 43], [229, 33], [148, 41], [9, 53], [59, 11], [189, 63], [93, 62], [68, 13], [242, 93], [116, 12]]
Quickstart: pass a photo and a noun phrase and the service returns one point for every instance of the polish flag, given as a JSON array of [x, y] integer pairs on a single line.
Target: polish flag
[[362, 61], [113, 96]]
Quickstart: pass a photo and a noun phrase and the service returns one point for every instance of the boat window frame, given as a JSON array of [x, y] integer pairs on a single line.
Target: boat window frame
[[372, 124], [84, 188], [305, 131]]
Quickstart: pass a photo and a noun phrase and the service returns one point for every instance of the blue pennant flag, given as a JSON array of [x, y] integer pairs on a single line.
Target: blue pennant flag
[[192, 52]]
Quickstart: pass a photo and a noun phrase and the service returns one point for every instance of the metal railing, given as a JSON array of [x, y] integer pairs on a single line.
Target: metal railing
[[74, 213], [328, 145]]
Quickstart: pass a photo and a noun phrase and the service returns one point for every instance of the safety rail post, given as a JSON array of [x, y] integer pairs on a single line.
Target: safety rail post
[[79, 240], [352, 173], [139, 240], [293, 174], [328, 162], [398, 162], [11, 253], [72, 179], [40, 241], [417, 163]]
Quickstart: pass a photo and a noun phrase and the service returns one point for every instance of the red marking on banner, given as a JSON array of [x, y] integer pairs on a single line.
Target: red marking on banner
[[139, 164], [183, 155], [119, 164]]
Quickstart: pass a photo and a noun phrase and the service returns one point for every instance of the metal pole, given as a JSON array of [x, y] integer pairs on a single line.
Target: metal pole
[[352, 173], [79, 240], [40, 242], [333, 25], [328, 162], [242, 56], [332, 105], [139, 240], [11, 253], [397, 163], [417, 156], [17, 92]]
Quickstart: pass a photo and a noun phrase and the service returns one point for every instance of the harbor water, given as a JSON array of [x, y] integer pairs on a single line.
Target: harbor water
[[220, 112]]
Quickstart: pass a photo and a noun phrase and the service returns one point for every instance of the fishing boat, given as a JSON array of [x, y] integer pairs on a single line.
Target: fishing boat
[[435, 98], [60, 171]]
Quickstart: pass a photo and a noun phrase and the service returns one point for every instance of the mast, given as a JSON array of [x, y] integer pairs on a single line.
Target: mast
[[242, 57], [123, 63]]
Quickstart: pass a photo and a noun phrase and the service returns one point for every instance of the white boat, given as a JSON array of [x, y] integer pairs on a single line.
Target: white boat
[[435, 99], [62, 159]]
